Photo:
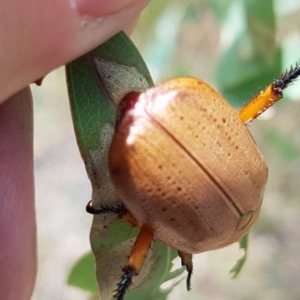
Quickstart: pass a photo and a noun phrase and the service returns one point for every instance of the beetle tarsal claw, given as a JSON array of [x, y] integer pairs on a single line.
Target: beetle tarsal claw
[[125, 282], [119, 210], [189, 276], [187, 262]]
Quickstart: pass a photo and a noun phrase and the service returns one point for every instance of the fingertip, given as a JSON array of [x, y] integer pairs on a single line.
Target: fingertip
[[94, 31], [38, 36]]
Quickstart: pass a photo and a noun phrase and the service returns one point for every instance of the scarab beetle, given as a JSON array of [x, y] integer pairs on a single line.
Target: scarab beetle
[[187, 169], [196, 179]]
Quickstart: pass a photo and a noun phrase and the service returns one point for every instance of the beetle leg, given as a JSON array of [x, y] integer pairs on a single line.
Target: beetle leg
[[119, 210], [187, 261], [135, 261], [267, 97], [125, 282]]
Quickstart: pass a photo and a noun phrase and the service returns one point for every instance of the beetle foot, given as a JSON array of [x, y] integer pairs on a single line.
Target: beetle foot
[[125, 282], [189, 276], [119, 210], [187, 262]]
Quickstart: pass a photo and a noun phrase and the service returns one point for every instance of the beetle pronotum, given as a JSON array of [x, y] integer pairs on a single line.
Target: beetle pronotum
[[186, 168]]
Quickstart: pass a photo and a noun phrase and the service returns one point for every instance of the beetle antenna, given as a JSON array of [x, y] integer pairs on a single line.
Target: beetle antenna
[[119, 210], [125, 282], [287, 78]]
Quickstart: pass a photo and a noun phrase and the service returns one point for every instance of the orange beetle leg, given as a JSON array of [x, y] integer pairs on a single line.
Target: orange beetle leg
[[267, 97], [128, 217], [187, 261], [135, 261]]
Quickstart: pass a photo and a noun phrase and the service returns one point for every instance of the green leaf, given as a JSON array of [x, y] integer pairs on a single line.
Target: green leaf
[[161, 274], [82, 274], [96, 83], [241, 261]]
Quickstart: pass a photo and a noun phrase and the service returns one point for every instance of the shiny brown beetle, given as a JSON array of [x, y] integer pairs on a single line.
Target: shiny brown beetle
[[187, 169]]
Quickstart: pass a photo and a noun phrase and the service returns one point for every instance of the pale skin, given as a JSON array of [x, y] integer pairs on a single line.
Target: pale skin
[[36, 37]]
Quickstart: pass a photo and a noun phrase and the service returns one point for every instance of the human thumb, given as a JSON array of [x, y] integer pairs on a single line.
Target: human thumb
[[38, 36]]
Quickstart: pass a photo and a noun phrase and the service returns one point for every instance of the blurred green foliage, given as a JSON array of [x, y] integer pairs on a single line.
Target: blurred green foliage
[[82, 274], [238, 40]]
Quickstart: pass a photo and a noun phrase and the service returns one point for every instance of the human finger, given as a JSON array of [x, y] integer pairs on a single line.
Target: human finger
[[38, 36], [17, 215]]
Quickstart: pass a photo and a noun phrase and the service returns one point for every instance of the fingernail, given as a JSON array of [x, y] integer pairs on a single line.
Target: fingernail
[[96, 8]]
